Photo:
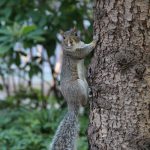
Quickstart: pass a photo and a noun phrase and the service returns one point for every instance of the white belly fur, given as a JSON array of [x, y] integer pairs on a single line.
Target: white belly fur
[[81, 69]]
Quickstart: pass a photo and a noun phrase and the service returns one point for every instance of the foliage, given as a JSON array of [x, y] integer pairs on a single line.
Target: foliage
[[28, 129], [27, 126], [37, 22], [23, 34], [33, 21]]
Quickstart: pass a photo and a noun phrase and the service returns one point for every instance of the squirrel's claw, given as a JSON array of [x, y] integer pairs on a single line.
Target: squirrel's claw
[[96, 38]]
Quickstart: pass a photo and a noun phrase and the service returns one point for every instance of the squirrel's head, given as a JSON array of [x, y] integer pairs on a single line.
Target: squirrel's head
[[70, 39]]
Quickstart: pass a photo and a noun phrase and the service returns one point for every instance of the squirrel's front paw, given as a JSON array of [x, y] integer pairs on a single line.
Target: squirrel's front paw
[[95, 40]]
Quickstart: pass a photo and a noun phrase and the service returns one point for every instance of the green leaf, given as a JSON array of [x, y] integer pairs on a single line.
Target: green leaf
[[5, 31], [17, 60], [7, 12], [2, 2], [4, 49], [28, 29], [1, 87], [35, 33], [4, 38], [38, 38], [34, 69]]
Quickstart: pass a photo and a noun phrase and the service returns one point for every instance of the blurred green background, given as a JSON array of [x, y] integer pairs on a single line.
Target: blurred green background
[[31, 105]]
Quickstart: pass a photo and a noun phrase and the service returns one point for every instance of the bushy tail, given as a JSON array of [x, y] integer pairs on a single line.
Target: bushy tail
[[66, 134]]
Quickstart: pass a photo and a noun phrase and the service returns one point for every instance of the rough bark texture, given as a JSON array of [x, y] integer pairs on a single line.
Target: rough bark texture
[[119, 76]]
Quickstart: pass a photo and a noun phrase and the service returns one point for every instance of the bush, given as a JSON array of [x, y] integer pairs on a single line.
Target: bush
[[28, 129]]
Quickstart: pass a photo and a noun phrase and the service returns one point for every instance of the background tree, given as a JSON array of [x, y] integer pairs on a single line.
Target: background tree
[[31, 24], [30, 111], [119, 76]]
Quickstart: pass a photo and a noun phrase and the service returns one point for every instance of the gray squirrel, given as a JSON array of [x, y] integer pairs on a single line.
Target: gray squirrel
[[74, 88]]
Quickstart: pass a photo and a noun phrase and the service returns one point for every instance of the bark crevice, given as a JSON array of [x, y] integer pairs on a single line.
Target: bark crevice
[[120, 76]]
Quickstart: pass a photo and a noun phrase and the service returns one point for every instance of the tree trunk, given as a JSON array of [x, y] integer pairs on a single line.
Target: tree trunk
[[44, 101], [6, 85], [119, 76]]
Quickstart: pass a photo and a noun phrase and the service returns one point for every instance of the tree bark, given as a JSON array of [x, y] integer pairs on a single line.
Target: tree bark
[[119, 76]]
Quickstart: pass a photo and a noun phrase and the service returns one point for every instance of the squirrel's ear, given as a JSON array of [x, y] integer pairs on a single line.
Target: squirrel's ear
[[61, 32], [74, 29]]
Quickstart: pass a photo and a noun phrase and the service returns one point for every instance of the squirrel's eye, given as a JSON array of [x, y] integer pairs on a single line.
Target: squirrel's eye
[[63, 37], [76, 34]]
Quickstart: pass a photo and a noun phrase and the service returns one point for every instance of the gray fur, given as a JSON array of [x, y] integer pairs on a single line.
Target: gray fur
[[66, 133], [74, 88]]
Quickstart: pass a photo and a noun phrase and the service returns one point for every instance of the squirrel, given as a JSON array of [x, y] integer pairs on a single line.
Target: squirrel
[[74, 88]]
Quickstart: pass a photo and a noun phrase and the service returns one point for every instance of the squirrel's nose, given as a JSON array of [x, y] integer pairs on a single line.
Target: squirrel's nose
[[70, 42]]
